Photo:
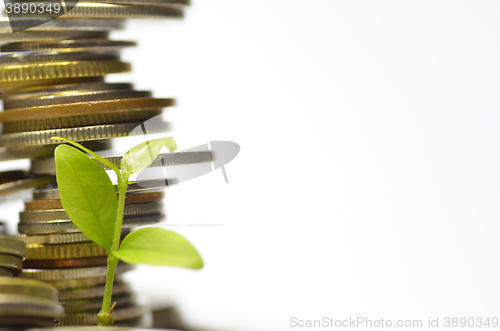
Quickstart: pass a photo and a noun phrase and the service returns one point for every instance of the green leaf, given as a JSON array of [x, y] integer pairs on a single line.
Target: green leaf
[[142, 155], [155, 246], [87, 194]]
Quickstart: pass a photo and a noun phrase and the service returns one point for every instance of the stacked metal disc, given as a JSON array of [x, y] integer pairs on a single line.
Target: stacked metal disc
[[52, 83], [59, 254], [24, 302]]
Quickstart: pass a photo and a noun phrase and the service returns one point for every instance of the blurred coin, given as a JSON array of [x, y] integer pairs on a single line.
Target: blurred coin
[[69, 284], [12, 246], [25, 321], [68, 226], [66, 263], [93, 292], [68, 98], [51, 57], [12, 263], [6, 273], [110, 11], [88, 133], [59, 238], [119, 314], [14, 181], [72, 273], [23, 305], [85, 305], [28, 287], [76, 45], [49, 24]]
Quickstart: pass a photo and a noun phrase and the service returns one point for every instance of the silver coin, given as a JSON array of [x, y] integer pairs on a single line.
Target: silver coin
[[72, 273], [52, 192], [49, 24], [48, 165], [88, 133], [30, 228], [6, 273], [50, 215], [86, 305], [28, 306]]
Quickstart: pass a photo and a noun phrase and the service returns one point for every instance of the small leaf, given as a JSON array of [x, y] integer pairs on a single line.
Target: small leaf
[[142, 155], [87, 194], [155, 246]]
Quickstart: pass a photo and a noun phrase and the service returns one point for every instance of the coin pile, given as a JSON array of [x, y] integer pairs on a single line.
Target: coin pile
[[23, 302], [61, 255], [52, 84]]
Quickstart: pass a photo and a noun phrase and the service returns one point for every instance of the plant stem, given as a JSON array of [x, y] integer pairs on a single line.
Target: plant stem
[[104, 316]]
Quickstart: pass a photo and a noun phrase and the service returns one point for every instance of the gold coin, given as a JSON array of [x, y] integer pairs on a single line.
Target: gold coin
[[84, 108], [12, 246], [13, 263], [28, 287], [75, 45], [101, 10], [62, 69], [79, 121], [64, 251], [9, 86]]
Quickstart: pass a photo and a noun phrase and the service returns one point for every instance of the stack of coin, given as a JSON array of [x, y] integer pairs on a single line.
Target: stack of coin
[[26, 302], [23, 302], [12, 254], [58, 253], [52, 84]]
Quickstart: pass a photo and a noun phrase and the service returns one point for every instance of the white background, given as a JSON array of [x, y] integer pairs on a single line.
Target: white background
[[368, 178]]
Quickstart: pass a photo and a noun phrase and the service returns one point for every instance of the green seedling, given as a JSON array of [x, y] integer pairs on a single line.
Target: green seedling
[[89, 198]]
